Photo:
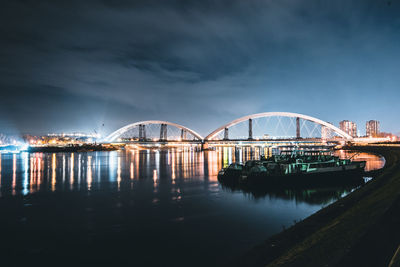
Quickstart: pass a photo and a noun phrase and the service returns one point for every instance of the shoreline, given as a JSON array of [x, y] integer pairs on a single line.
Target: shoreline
[[72, 148], [357, 230]]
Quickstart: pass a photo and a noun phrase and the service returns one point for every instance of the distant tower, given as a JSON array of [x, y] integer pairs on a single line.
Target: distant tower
[[372, 128], [348, 127]]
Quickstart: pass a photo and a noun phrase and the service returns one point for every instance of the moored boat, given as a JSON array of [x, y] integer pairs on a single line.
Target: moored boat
[[294, 166], [232, 173]]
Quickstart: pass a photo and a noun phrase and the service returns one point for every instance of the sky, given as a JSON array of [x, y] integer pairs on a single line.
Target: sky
[[98, 65]]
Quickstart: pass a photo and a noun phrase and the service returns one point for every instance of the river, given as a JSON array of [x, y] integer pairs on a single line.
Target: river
[[142, 207]]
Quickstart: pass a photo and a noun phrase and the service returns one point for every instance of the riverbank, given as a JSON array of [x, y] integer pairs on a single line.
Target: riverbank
[[360, 229]]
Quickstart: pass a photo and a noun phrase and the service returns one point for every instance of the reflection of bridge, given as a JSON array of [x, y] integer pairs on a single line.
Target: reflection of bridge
[[295, 128]]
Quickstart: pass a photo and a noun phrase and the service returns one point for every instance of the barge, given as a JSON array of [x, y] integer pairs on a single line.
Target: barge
[[294, 166]]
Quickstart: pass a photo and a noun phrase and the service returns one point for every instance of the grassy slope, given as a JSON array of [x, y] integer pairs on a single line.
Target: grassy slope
[[332, 236]]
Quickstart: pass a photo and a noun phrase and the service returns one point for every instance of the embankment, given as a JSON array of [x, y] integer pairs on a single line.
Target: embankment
[[361, 229]]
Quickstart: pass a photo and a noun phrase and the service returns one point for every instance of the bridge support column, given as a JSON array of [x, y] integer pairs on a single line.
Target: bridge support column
[[204, 146], [163, 132], [226, 134], [250, 129], [298, 128]]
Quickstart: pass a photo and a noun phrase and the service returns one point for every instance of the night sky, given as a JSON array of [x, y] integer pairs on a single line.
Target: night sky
[[76, 65]]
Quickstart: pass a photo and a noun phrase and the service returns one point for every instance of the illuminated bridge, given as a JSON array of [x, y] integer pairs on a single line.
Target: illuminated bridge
[[154, 131], [267, 127]]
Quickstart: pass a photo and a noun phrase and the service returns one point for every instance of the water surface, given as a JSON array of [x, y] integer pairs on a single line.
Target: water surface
[[141, 207]]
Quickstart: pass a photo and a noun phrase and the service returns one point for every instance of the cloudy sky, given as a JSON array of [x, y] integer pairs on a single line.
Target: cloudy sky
[[76, 65]]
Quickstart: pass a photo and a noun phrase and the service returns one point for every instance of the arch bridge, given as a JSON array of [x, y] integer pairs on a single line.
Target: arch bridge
[[326, 129], [139, 132]]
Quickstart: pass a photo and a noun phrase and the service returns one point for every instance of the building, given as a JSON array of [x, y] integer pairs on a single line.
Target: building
[[61, 139], [372, 128], [348, 127]]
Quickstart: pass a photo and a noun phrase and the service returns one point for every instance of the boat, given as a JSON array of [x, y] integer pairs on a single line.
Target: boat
[[293, 166], [232, 173]]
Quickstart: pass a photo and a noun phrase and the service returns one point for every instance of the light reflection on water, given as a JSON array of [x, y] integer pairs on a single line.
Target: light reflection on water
[[153, 194], [374, 162]]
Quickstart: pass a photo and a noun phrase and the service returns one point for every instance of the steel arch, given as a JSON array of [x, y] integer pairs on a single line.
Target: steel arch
[[119, 132], [278, 114]]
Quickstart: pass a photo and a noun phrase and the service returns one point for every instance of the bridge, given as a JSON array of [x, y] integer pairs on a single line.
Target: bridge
[[267, 128], [138, 132]]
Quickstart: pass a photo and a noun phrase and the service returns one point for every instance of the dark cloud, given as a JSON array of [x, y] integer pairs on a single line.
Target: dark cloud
[[199, 63]]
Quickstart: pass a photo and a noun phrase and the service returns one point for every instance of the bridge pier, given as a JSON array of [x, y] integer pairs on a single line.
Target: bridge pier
[[298, 128], [226, 134], [204, 146], [250, 129]]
